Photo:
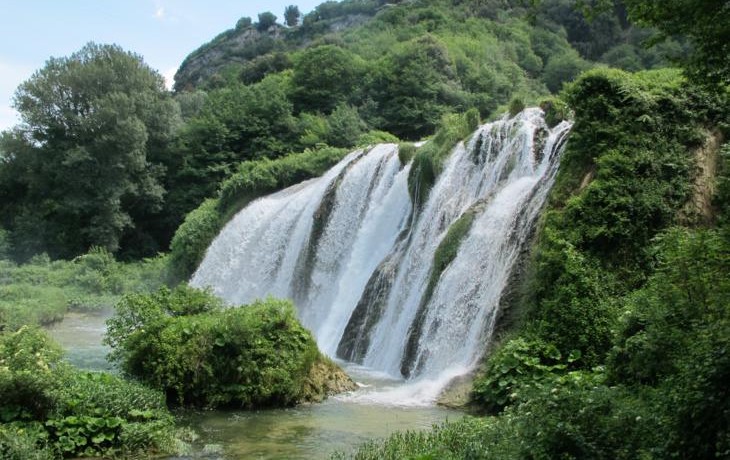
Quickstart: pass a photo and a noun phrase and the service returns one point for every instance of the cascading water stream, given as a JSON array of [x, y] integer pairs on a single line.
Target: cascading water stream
[[349, 250]]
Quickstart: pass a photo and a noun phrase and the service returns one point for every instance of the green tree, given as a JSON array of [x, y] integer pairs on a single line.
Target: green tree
[[291, 15], [324, 77], [86, 161], [266, 20], [563, 68], [415, 86], [236, 123], [243, 23], [705, 22]]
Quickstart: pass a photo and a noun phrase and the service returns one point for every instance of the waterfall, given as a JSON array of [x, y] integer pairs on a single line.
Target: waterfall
[[357, 259]]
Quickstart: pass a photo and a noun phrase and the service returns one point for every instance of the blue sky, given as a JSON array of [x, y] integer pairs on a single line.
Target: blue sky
[[162, 31]]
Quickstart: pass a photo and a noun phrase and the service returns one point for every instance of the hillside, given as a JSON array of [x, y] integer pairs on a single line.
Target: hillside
[[252, 49]]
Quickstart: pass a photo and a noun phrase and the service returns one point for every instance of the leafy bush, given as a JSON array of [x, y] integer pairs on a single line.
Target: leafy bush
[[516, 105], [406, 152], [674, 337], [41, 291], [27, 359], [184, 343], [376, 137], [556, 110], [518, 365], [256, 178], [51, 410], [24, 441]]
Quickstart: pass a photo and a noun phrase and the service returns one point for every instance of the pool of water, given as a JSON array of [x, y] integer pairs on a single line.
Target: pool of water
[[306, 432], [81, 334]]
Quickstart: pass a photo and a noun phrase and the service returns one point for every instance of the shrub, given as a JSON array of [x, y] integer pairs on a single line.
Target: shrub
[[27, 359], [184, 343], [50, 409], [516, 105], [675, 336], [376, 137], [556, 110], [266, 20], [192, 238], [406, 152], [257, 178], [518, 366]]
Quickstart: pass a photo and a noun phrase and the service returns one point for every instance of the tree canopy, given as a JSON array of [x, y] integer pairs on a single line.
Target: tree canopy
[[292, 15], [705, 22], [84, 165]]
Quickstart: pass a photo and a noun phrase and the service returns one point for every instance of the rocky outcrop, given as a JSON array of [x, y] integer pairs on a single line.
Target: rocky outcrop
[[325, 379], [699, 210], [234, 46]]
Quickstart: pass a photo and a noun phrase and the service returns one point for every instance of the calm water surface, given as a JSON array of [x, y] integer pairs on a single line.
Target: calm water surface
[[305, 432]]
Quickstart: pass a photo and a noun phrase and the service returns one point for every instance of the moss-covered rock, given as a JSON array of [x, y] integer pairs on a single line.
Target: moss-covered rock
[[325, 379]]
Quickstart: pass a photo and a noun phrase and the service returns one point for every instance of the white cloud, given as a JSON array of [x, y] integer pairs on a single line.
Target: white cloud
[[160, 12]]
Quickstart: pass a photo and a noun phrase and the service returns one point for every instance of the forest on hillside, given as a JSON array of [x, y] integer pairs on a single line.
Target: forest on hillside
[[614, 340], [395, 73]]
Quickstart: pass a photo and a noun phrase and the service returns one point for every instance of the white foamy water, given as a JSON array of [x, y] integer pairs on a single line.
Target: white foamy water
[[322, 241]]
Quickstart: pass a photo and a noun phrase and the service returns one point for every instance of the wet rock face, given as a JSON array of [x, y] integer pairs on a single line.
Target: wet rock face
[[356, 338]]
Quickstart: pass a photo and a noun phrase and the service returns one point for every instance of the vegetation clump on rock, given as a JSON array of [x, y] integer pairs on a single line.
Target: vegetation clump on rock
[[185, 343]]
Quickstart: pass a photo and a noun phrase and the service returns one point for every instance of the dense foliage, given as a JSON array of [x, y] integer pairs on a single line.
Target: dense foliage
[[621, 351], [185, 343], [85, 167], [251, 180], [705, 22], [119, 164], [50, 410], [42, 291]]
